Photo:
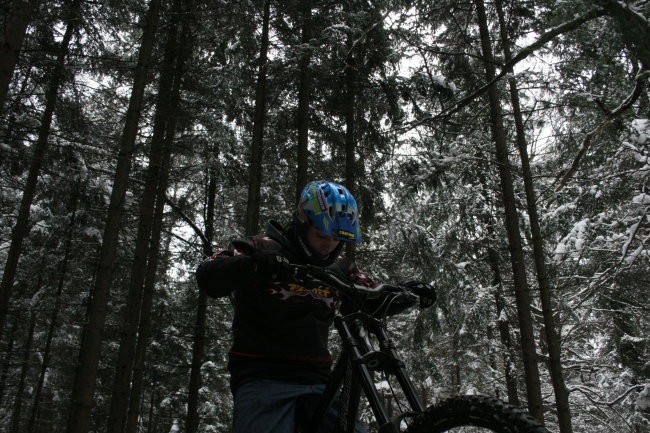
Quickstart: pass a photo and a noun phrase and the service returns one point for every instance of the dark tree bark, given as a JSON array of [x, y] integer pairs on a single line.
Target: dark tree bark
[[304, 97], [508, 361], [47, 350], [552, 337], [198, 350], [633, 27], [21, 229], [82, 399], [24, 369], [455, 370], [192, 422], [257, 144], [11, 339], [351, 78], [522, 295], [145, 325], [11, 42], [126, 354], [152, 404], [504, 329], [350, 124]]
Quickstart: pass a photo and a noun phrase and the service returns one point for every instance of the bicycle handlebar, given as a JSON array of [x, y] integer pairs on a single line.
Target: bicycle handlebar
[[402, 295]]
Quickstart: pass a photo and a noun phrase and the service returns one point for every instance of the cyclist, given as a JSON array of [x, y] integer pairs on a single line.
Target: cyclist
[[280, 327]]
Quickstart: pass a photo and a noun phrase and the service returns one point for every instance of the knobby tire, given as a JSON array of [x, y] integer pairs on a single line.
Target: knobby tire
[[480, 411]]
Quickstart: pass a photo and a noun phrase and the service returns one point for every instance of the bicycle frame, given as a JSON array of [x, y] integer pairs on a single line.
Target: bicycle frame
[[353, 373]]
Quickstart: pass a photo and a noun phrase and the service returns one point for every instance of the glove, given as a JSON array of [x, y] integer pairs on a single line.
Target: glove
[[269, 265], [424, 291]]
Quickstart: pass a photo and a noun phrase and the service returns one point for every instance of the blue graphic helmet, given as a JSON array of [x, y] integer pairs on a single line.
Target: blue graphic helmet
[[331, 208]]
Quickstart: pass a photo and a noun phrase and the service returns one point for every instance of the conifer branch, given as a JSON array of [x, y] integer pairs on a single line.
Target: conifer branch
[[521, 55], [590, 137], [204, 240]]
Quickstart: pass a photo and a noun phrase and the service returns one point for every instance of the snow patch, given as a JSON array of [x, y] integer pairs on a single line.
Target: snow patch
[[643, 400], [642, 198], [576, 236], [640, 130]]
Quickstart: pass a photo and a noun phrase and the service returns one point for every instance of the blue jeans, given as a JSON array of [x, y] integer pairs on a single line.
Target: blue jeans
[[269, 406]]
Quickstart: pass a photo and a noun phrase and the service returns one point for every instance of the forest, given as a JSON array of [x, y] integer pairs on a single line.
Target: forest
[[499, 149]]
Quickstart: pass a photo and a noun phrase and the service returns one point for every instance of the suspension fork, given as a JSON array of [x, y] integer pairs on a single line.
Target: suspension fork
[[357, 349], [399, 368], [365, 360], [359, 359]]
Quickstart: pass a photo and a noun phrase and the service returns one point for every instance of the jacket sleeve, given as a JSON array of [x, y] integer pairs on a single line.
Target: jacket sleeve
[[226, 270], [349, 270]]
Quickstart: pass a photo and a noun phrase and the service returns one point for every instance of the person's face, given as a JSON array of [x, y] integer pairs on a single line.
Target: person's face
[[320, 243]]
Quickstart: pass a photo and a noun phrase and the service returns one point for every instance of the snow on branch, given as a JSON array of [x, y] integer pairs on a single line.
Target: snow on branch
[[589, 138], [521, 55], [633, 232], [589, 393]]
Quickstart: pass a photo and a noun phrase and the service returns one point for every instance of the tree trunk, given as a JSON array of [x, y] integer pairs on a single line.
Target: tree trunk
[[192, 422], [18, 402], [198, 349], [7, 361], [503, 325], [350, 125], [304, 97], [145, 325], [552, 337], [257, 144], [350, 130], [455, 367], [21, 229], [504, 330], [522, 295], [492, 359], [82, 398], [11, 41], [632, 25], [63, 270], [152, 405], [502, 322], [126, 355]]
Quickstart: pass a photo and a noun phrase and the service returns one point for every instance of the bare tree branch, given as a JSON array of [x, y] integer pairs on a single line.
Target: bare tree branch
[[587, 393], [206, 243]]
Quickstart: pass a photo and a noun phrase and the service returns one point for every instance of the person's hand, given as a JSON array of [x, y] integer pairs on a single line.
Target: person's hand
[[269, 265], [424, 291]]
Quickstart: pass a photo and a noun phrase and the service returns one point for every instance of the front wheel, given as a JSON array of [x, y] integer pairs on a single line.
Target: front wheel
[[474, 414]]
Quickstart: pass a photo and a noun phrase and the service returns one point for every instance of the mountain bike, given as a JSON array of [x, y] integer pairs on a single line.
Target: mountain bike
[[367, 352]]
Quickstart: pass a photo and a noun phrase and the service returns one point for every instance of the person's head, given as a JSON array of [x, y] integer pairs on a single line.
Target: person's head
[[319, 243], [330, 216]]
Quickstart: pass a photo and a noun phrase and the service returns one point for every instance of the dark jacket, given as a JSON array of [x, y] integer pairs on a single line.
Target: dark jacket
[[280, 329]]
